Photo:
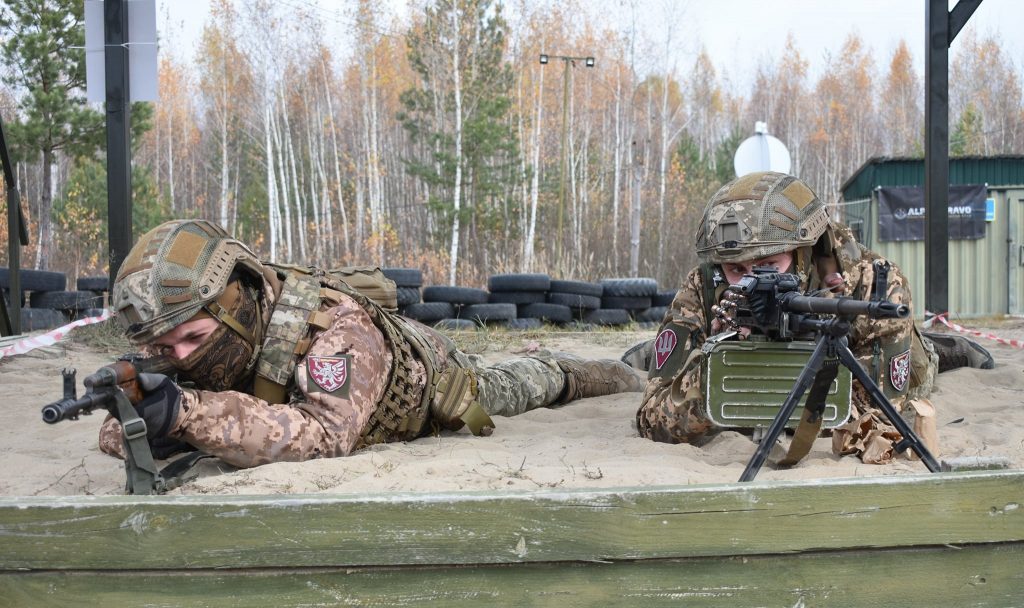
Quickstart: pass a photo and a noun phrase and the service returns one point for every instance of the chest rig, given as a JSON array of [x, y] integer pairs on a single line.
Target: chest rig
[[404, 409]]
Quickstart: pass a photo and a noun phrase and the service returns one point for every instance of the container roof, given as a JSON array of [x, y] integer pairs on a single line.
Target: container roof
[[997, 170]]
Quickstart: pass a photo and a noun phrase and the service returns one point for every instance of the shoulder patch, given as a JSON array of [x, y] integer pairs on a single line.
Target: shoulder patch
[[670, 348], [329, 374], [664, 345], [899, 370]]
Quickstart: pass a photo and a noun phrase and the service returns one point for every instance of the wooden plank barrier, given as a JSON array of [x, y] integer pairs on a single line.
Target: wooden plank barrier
[[945, 539]]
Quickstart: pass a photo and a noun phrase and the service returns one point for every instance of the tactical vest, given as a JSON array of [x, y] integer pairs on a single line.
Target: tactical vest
[[405, 407]]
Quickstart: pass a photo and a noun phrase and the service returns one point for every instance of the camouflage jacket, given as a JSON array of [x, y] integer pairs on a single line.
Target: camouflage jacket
[[330, 402], [881, 345]]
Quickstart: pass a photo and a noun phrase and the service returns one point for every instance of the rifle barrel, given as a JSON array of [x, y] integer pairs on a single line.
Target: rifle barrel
[[794, 302], [70, 408]]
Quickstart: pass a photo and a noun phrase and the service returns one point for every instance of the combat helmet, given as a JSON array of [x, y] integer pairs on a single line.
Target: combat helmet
[[760, 215], [174, 271]]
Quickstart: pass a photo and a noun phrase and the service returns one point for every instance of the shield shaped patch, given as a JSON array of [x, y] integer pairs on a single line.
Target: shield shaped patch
[[664, 345], [328, 374], [899, 370]]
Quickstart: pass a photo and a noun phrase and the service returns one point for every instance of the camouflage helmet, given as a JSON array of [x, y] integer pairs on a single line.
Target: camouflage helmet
[[172, 272], [760, 215]]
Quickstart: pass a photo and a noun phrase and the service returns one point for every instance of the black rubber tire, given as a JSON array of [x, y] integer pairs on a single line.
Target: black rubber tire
[[92, 284], [429, 312], [408, 295], [65, 300], [519, 282], [648, 324], [556, 313], [580, 287], [405, 277], [663, 298], [488, 312], [35, 280], [89, 312], [608, 316], [654, 314], [525, 324], [517, 297], [630, 288], [627, 302], [575, 301], [455, 324], [35, 319], [454, 294]]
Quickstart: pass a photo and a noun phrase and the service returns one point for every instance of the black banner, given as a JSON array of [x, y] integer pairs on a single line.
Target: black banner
[[901, 212]]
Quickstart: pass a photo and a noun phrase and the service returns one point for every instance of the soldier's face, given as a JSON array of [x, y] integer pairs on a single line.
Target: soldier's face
[[185, 338], [734, 271]]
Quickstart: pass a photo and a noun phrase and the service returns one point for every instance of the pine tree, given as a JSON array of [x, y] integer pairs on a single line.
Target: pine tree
[[43, 43], [461, 116]]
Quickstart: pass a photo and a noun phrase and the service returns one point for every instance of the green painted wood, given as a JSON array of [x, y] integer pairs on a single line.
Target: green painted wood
[[109, 533], [972, 576]]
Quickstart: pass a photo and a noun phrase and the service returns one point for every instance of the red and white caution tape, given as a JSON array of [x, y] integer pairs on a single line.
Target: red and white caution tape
[[981, 334], [51, 337]]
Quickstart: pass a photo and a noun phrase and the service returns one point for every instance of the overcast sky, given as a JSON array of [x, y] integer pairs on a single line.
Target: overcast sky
[[737, 33]]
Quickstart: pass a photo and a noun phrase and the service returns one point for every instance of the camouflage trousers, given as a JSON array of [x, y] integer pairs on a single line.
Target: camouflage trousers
[[673, 410], [514, 386]]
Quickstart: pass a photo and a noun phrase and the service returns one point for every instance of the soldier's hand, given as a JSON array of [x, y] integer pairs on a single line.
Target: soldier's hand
[[159, 407]]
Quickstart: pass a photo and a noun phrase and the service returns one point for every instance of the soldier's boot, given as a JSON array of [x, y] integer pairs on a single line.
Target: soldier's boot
[[957, 351], [639, 355], [595, 377]]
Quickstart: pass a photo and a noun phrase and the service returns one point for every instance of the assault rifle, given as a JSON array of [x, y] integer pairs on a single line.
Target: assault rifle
[[115, 388], [776, 308]]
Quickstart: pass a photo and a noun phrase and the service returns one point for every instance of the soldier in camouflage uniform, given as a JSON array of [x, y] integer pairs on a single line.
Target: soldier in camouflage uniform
[[771, 220], [289, 363]]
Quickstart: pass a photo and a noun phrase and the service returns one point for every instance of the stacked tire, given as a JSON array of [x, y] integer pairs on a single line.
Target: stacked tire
[[653, 316], [408, 281], [447, 306], [528, 292], [41, 314], [582, 298], [99, 288], [622, 299]]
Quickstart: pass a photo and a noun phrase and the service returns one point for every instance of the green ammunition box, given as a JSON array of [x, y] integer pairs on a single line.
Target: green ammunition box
[[746, 382]]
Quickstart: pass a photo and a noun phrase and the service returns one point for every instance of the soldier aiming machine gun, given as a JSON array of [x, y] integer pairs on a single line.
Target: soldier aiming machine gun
[[115, 388], [777, 309]]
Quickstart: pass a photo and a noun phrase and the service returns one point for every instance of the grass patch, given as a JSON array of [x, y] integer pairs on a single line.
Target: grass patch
[[107, 336]]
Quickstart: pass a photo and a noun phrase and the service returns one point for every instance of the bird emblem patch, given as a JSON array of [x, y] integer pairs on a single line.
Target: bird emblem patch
[[328, 374], [899, 370]]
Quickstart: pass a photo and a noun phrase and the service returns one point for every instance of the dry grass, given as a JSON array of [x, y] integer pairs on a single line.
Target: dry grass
[[106, 336]]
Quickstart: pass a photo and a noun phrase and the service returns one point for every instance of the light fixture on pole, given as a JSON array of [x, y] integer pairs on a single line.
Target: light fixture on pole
[[567, 60]]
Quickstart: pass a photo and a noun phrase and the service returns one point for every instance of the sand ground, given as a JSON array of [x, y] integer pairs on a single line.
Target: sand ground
[[591, 443]]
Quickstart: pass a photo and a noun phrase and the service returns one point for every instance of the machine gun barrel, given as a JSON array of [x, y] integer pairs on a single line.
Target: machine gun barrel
[[794, 302]]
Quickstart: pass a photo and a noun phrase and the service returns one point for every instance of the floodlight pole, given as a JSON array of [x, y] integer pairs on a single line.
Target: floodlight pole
[[567, 61]]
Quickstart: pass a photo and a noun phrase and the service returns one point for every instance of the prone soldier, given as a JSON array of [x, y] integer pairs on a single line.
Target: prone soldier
[[288, 363], [775, 221]]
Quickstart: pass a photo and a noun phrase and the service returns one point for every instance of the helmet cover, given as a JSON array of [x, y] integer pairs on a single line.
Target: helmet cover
[[759, 215]]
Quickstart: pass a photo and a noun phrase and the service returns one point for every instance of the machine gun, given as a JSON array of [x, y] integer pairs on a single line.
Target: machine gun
[[777, 309], [115, 388]]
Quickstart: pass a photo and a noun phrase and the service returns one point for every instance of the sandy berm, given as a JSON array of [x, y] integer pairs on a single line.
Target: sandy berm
[[591, 443]]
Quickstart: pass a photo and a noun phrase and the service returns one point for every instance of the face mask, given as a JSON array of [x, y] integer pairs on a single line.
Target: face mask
[[221, 363]]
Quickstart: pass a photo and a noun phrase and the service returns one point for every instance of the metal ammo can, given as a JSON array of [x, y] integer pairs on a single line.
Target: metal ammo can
[[746, 383]]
